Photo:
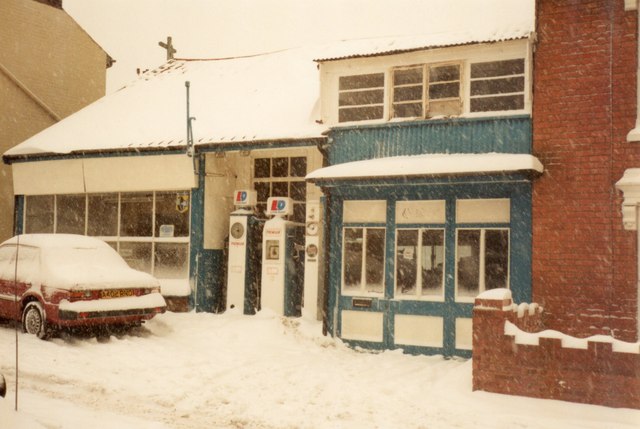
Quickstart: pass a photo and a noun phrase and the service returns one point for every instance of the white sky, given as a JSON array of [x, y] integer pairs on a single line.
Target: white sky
[[130, 30]]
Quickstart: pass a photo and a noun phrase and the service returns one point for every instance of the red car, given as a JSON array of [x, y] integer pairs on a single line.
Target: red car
[[63, 280]]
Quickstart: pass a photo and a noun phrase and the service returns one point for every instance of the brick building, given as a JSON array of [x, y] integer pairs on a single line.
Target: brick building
[[584, 260], [49, 68]]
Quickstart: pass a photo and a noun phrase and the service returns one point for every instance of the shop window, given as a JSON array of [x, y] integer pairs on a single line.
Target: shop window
[[361, 97], [419, 262], [70, 214], [281, 177], [171, 260], [363, 260], [150, 230], [137, 255], [136, 214], [102, 217], [482, 261], [497, 85], [39, 214], [172, 214]]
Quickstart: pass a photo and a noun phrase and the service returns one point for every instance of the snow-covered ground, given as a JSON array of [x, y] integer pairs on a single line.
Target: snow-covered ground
[[233, 371]]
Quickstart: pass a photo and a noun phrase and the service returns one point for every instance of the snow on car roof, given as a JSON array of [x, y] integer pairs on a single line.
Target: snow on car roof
[[56, 241]]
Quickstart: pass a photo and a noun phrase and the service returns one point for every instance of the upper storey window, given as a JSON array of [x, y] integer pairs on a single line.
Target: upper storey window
[[497, 85], [428, 90], [464, 81], [361, 97]]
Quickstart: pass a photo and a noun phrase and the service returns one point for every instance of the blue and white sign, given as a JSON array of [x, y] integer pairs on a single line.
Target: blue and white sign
[[279, 206], [245, 198]]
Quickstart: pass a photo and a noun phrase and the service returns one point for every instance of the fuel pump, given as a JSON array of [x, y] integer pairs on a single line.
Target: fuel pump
[[282, 260], [243, 269]]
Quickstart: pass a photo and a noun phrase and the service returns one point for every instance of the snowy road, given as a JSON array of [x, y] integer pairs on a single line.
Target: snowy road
[[232, 371]]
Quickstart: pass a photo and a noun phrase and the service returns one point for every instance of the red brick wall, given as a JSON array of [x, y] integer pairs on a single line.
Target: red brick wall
[[584, 263], [596, 375]]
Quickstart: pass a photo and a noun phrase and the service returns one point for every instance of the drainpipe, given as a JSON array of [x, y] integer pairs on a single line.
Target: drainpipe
[[634, 134], [327, 263]]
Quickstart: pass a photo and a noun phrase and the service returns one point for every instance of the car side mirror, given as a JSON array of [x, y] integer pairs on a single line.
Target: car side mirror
[[3, 386]]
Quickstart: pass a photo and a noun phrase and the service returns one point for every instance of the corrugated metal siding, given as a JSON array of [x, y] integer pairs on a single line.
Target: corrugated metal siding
[[477, 135]]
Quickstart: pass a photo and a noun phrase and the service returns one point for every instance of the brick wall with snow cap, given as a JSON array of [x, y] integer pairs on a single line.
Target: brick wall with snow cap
[[514, 354]]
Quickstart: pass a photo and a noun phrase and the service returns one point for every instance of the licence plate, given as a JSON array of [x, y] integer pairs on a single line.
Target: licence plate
[[115, 293]]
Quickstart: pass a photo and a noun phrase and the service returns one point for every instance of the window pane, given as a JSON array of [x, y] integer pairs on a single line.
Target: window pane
[[262, 190], [360, 113], [137, 255], [359, 98], [468, 262], [375, 260], [298, 166], [171, 261], [298, 213], [375, 80], [136, 214], [408, 93], [444, 73], [406, 262], [496, 265], [497, 86], [70, 214], [280, 189], [444, 90], [410, 110], [280, 167], [353, 255], [262, 167], [39, 214], [489, 104], [432, 261], [298, 191], [445, 107], [172, 214], [103, 215], [408, 76], [497, 68]]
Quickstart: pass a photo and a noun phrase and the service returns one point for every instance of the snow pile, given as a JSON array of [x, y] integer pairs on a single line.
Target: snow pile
[[200, 370]]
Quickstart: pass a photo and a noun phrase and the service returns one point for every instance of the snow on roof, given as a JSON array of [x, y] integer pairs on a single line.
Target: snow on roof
[[395, 45], [264, 97], [428, 165], [272, 96]]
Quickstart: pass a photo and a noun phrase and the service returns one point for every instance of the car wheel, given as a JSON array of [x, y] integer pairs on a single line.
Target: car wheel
[[34, 321]]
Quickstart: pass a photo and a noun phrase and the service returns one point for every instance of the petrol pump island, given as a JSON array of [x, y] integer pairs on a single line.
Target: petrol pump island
[[266, 265]]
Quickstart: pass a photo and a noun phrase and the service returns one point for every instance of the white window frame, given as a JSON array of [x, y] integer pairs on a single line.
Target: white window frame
[[418, 296], [383, 105], [333, 70], [362, 290], [285, 179], [426, 85], [482, 260], [116, 240]]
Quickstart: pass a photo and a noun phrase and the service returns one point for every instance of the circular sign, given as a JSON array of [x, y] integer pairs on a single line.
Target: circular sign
[[312, 250], [312, 228], [237, 230]]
